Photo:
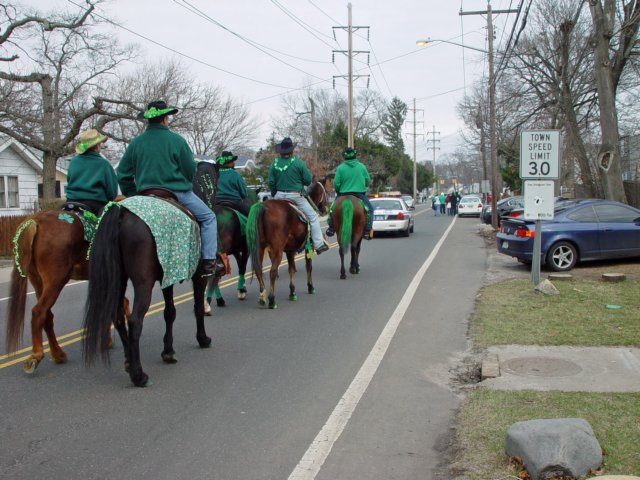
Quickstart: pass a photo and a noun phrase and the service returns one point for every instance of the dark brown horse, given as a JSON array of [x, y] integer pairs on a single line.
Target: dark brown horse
[[124, 249], [50, 250], [275, 225], [349, 219]]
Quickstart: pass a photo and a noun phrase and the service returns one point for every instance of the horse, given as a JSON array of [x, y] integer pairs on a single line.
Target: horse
[[125, 249], [349, 219], [50, 249], [276, 225], [231, 236]]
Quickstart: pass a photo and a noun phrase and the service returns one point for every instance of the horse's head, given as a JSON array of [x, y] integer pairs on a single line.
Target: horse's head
[[318, 194]]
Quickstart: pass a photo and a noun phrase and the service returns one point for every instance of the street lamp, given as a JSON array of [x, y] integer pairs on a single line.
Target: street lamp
[[492, 117]]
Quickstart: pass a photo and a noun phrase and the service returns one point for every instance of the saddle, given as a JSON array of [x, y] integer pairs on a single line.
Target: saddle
[[73, 206], [168, 196]]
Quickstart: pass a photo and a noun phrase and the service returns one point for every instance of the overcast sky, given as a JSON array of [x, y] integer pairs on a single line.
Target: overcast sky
[[293, 43]]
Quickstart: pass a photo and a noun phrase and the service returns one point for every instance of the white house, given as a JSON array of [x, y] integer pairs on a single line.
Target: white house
[[20, 177], [242, 163]]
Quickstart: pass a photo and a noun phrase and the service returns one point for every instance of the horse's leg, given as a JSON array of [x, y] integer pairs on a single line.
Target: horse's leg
[[120, 324], [168, 354], [242, 257], [262, 298], [355, 255], [276, 258], [343, 274], [291, 263], [141, 304], [42, 319], [309, 267], [199, 285]]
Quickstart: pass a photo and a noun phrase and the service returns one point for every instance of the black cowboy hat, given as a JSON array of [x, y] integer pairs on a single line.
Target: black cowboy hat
[[349, 153], [226, 157], [156, 109], [286, 146]]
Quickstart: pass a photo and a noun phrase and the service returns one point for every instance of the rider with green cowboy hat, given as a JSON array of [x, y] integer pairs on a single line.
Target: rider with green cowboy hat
[[231, 189], [162, 158], [352, 178], [288, 175], [91, 180]]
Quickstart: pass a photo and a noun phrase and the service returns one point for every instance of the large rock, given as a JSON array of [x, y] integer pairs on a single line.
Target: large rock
[[547, 288], [564, 446]]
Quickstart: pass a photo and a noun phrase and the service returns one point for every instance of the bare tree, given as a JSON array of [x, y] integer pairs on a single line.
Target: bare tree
[[52, 68], [615, 34]]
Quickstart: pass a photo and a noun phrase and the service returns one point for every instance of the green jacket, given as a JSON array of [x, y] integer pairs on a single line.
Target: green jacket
[[231, 185], [156, 158], [290, 175], [91, 177], [351, 176]]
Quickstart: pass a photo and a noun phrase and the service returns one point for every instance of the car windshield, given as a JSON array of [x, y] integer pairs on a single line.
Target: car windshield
[[386, 204]]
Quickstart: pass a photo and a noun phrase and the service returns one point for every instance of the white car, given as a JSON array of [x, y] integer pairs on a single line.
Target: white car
[[391, 214], [408, 199], [470, 205]]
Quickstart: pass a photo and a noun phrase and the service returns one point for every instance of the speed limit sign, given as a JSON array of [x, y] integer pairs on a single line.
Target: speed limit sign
[[539, 154]]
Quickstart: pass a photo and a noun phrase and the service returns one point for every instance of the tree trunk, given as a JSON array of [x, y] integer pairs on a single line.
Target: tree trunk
[[609, 157], [48, 134]]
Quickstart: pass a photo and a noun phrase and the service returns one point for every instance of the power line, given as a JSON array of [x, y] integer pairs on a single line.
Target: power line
[[173, 50], [304, 25], [253, 44]]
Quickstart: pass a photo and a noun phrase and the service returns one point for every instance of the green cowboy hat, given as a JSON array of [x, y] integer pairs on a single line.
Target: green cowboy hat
[[156, 109], [349, 153], [226, 157], [89, 138]]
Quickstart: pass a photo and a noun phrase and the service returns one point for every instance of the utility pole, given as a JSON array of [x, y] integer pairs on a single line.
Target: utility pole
[[350, 76], [492, 108], [433, 147], [415, 161]]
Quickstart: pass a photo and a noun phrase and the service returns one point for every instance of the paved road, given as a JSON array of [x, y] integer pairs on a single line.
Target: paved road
[[350, 383]]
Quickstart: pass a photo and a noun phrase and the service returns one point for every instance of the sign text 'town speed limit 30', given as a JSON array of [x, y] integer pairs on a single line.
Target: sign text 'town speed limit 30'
[[539, 154]]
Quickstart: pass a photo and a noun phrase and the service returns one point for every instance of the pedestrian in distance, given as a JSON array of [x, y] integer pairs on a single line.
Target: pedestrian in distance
[[436, 205], [91, 180], [288, 175], [162, 158], [454, 203]]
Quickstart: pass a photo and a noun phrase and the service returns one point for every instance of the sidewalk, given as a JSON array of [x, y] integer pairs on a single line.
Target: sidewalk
[[6, 266], [564, 368]]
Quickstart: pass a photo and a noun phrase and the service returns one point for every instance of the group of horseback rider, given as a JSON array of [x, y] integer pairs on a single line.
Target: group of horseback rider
[[161, 158]]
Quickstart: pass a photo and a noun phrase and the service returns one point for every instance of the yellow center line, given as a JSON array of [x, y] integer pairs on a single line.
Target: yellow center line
[[155, 308]]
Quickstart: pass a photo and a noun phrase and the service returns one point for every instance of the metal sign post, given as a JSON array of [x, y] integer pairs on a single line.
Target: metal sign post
[[539, 161]]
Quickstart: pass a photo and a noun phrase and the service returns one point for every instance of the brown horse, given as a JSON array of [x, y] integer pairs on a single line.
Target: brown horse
[[349, 219], [276, 225], [50, 250]]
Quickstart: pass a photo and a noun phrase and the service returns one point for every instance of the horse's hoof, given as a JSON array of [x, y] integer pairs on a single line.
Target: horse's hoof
[[242, 295], [142, 381], [220, 302], [169, 357], [60, 359], [274, 306], [204, 342], [207, 309], [30, 365], [262, 301], [126, 367], [312, 290], [353, 271], [343, 276], [293, 298]]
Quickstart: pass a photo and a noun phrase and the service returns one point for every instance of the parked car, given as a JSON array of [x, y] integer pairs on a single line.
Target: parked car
[[408, 199], [470, 205], [581, 230], [392, 215], [504, 207]]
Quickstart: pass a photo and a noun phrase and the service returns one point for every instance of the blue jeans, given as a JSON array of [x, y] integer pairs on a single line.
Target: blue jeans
[[207, 220], [307, 209]]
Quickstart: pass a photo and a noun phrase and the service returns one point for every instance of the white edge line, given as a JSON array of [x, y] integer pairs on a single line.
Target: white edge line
[[319, 450], [32, 292]]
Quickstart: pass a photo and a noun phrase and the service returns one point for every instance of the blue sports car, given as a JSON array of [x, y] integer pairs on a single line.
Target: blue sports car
[[582, 230]]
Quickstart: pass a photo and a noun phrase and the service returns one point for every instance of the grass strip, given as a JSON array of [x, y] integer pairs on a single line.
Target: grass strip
[[486, 415]]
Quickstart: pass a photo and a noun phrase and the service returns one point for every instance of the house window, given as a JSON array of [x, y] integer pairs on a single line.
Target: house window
[[9, 197]]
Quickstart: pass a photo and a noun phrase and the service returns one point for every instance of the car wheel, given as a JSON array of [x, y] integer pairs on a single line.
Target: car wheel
[[405, 233], [562, 257], [411, 229]]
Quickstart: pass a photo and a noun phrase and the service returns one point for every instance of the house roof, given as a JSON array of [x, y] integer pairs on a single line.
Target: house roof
[[241, 163], [26, 153]]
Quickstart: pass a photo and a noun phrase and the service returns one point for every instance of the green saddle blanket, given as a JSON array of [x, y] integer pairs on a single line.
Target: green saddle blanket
[[177, 237], [225, 216]]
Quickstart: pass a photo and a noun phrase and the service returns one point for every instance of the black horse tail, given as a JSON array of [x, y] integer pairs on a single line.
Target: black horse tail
[[104, 298], [23, 254], [253, 233]]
